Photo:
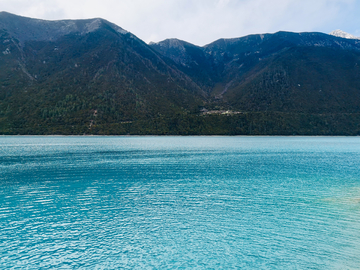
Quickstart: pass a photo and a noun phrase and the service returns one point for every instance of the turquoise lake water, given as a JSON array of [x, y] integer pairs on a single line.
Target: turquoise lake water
[[179, 202]]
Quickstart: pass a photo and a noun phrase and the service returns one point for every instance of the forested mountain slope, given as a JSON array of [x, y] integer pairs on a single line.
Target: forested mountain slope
[[93, 77]]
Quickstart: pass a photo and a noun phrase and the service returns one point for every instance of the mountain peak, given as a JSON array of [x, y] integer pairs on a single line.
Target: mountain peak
[[342, 34], [24, 28], [171, 43]]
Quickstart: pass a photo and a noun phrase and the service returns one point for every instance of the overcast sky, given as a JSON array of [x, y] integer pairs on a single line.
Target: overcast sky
[[201, 21]]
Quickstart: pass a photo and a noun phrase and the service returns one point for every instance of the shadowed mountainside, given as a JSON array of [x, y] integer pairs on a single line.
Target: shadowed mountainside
[[93, 77]]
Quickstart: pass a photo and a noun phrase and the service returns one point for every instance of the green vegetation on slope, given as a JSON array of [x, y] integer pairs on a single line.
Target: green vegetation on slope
[[106, 81]]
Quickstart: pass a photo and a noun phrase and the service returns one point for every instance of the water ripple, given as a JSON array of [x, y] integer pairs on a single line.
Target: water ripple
[[179, 202]]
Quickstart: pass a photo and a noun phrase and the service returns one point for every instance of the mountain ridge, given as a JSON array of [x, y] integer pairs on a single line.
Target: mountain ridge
[[93, 77], [342, 34], [25, 29]]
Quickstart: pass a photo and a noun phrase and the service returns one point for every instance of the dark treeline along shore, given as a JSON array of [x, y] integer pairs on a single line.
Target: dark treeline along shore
[[93, 77]]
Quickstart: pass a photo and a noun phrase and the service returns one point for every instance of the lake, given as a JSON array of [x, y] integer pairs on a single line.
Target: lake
[[179, 202]]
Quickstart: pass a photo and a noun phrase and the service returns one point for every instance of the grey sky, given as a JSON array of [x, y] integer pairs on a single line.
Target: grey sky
[[201, 21]]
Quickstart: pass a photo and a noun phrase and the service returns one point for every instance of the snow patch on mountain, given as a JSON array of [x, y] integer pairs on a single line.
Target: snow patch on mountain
[[7, 51], [170, 43], [342, 34], [92, 26], [117, 28], [95, 24]]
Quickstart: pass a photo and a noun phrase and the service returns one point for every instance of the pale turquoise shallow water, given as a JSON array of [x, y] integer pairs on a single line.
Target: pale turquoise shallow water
[[179, 202]]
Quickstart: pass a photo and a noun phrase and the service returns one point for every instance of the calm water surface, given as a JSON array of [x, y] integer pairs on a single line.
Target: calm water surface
[[179, 202]]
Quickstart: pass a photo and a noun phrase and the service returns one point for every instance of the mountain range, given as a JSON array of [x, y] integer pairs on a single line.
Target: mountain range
[[93, 77]]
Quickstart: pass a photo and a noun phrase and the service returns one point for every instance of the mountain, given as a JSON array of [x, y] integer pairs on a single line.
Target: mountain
[[190, 59], [342, 34], [25, 29], [93, 77], [69, 76], [289, 72]]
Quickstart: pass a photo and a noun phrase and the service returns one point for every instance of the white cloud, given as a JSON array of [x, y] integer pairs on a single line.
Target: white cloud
[[200, 21]]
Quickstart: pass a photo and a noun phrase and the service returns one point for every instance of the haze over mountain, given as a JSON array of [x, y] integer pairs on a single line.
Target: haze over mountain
[[93, 77]]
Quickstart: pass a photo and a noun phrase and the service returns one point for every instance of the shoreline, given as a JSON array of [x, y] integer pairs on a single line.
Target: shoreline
[[90, 135]]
